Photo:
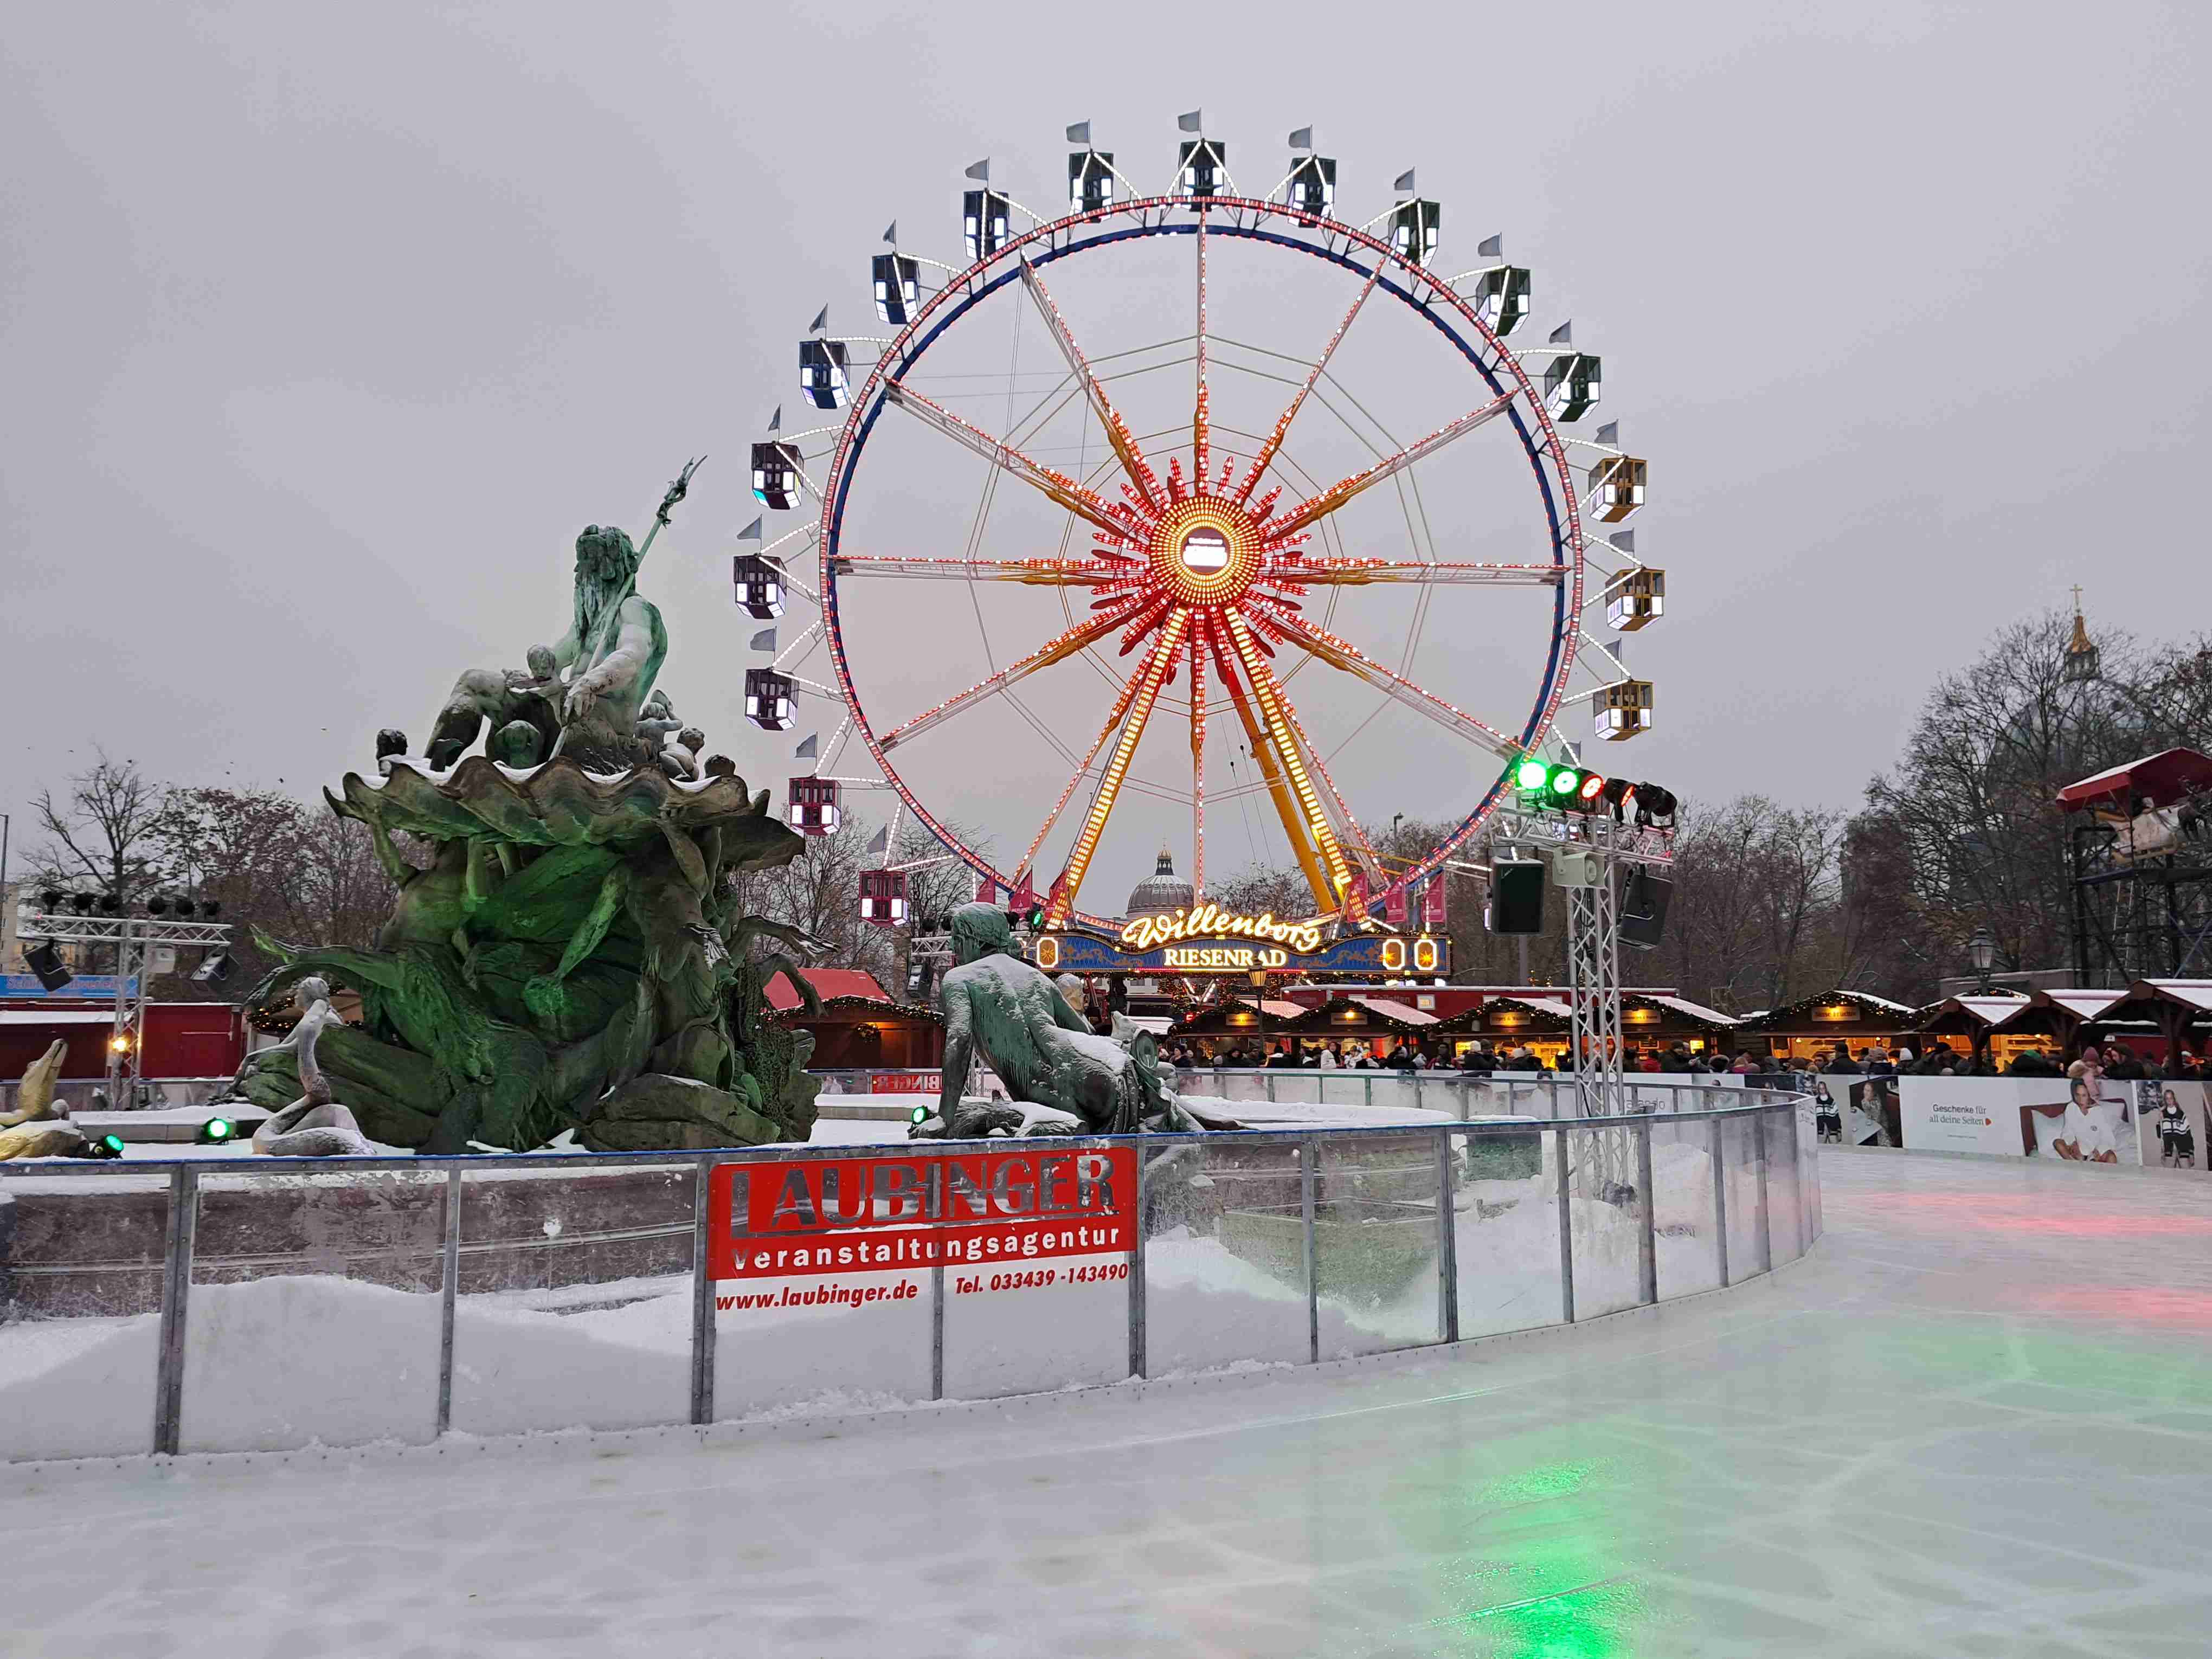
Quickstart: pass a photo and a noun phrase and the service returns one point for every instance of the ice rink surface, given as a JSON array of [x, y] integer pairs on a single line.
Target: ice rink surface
[[1978, 1421]]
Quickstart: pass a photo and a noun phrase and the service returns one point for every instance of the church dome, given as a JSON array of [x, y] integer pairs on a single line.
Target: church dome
[[1160, 893]]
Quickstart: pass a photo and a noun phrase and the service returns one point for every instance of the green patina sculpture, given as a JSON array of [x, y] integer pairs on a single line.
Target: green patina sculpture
[[1001, 1007], [573, 956]]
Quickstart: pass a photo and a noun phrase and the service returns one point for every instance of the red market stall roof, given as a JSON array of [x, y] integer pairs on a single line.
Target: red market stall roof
[[829, 983], [2170, 775]]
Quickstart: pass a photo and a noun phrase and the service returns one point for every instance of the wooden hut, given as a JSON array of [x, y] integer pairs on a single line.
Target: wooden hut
[[1813, 1027]]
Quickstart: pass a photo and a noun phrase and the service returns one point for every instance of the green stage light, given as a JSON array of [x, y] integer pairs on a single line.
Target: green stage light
[[918, 1116], [217, 1130], [1566, 779], [1531, 774], [113, 1144]]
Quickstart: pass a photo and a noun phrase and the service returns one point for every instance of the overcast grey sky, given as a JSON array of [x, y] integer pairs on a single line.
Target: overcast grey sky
[[323, 329]]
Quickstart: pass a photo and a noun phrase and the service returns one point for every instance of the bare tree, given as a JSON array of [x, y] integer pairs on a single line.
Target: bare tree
[[104, 833]]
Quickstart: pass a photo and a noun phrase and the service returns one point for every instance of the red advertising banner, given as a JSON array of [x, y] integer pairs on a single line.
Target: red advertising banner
[[877, 1214], [905, 1083]]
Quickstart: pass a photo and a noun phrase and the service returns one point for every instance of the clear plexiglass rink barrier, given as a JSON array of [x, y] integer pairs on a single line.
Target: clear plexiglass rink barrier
[[250, 1304]]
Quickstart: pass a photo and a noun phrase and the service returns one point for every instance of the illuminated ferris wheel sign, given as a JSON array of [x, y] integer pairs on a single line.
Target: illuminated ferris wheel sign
[[1200, 558]]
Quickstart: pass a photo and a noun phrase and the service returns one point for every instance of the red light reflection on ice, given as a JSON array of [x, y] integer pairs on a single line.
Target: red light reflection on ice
[[2042, 1217], [2138, 1304]]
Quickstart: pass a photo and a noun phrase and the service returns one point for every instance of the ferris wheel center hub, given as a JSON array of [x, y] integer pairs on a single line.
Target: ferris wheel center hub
[[1206, 551]]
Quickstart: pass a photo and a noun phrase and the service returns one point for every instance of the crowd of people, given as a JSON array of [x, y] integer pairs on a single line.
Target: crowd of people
[[1409, 1054], [1940, 1058]]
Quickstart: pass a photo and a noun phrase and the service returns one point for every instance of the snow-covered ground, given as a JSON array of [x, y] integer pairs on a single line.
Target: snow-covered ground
[[1978, 1422]]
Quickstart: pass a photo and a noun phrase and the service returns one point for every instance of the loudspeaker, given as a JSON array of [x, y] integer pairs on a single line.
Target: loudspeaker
[[45, 961], [1517, 897], [1644, 901]]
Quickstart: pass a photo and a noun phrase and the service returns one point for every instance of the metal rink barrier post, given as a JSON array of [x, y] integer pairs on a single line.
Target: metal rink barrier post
[[183, 1221], [702, 1295], [1309, 1156], [1647, 1243], [1137, 1272], [1560, 1134], [1766, 1216], [1720, 1195], [449, 1287], [1447, 1242]]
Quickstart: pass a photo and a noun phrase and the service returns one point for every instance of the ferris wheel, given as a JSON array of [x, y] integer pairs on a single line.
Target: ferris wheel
[[1203, 568]]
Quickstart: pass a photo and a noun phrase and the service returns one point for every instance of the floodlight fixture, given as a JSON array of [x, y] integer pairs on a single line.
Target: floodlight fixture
[[216, 1131], [898, 287], [1531, 774], [45, 961]]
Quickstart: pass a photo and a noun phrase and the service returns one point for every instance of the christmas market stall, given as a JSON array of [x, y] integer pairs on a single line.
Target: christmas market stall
[[858, 1027], [1813, 1027]]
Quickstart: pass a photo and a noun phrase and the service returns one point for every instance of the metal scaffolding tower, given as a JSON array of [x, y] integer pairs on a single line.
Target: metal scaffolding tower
[[133, 938]]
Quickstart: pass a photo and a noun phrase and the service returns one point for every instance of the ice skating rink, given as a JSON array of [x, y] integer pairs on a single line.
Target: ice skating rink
[[1977, 1421]]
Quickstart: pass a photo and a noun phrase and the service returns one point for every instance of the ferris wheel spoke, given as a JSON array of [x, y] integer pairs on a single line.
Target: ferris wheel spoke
[[1342, 654], [1282, 728], [1058, 486], [1201, 446], [1330, 572], [1197, 765], [1066, 645], [1273, 779], [1338, 493], [1273, 444], [1145, 695], [1040, 573], [1141, 476]]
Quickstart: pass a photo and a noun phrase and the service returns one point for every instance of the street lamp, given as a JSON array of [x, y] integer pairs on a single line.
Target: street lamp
[[1983, 948]]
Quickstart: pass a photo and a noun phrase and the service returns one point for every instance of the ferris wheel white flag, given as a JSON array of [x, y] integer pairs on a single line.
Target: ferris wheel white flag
[[809, 746]]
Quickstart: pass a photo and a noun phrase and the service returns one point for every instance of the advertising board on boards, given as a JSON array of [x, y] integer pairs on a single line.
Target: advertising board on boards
[[906, 1209]]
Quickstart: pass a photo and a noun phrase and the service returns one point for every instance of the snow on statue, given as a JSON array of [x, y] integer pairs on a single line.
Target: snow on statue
[[1044, 1051]]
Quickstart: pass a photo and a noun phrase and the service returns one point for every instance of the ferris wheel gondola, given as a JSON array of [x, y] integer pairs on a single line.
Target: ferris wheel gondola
[[1197, 555]]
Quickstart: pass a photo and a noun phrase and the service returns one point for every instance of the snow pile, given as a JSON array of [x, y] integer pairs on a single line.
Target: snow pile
[[292, 1360]]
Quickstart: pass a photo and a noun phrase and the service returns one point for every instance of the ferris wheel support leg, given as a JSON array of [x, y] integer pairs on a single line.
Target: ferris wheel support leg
[[1113, 723], [1149, 681], [1279, 789], [1274, 710]]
